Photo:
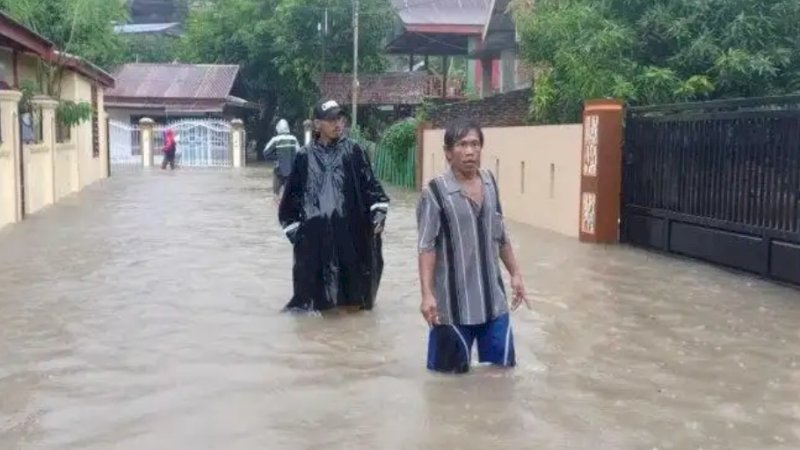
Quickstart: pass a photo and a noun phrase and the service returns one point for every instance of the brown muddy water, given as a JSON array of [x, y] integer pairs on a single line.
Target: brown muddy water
[[144, 314]]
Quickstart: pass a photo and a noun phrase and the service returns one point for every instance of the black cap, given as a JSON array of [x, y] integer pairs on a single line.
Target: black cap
[[327, 110]]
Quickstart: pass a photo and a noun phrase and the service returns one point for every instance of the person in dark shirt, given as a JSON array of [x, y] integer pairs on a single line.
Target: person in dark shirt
[[333, 211], [285, 146]]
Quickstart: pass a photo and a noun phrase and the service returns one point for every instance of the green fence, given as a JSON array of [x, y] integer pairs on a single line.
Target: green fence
[[396, 171]]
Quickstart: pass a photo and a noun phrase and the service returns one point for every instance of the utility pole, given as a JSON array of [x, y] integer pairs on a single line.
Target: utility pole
[[323, 29], [355, 63]]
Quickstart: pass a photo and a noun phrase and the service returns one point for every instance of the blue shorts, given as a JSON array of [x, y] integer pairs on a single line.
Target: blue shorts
[[450, 346]]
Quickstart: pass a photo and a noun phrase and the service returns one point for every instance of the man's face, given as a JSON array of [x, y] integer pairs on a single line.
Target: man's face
[[330, 129], [465, 156]]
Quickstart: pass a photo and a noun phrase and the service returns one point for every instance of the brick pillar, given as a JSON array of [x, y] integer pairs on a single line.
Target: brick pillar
[[601, 171]]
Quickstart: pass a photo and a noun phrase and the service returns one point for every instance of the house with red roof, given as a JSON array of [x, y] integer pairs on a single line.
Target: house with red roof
[[427, 29]]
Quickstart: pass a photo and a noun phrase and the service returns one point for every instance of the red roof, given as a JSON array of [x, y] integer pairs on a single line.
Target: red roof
[[402, 88], [173, 81]]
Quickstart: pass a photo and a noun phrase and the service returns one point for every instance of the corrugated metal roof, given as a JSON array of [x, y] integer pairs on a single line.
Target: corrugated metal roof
[[443, 12], [136, 28], [201, 81]]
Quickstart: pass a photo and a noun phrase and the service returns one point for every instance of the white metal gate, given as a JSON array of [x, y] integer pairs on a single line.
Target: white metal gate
[[125, 150], [201, 143]]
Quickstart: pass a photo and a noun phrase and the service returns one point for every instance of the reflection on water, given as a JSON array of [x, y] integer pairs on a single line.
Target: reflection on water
[[144, 313]]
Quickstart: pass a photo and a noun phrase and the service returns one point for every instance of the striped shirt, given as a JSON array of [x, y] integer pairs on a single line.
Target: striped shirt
[[466, 238]]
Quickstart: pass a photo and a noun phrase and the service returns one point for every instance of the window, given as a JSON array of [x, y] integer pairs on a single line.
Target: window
[[552, 180], [522, 177]]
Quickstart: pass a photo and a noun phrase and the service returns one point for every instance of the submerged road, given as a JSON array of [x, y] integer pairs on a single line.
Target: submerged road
[[144, 314]]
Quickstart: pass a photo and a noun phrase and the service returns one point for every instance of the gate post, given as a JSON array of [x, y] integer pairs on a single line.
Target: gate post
[[48, 118], [146, 126], [10, 154], [237, 142], [601, 171]]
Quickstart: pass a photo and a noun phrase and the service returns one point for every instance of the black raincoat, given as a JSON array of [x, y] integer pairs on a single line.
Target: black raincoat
[[329, 211]]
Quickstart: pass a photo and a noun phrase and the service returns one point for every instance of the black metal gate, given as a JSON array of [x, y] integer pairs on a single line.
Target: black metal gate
[[718, 181]]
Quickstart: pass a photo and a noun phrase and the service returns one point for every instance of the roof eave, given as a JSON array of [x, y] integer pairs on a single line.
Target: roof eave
[[25, 37]]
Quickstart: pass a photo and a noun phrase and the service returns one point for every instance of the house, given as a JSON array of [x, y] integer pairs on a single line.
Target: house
[[169, 92], [500, 41], [441, 29], [445, 28], [42, 160]]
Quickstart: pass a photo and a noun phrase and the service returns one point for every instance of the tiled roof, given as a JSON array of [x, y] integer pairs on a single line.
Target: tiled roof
[[402, 88], [171, 81], [442, 12]]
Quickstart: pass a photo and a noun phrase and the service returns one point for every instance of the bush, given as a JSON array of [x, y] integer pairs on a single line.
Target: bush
[[397, 141]]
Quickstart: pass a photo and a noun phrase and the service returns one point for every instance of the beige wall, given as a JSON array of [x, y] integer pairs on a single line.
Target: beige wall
[[51, 170], [38, 188], [8, 164], [538, 172]]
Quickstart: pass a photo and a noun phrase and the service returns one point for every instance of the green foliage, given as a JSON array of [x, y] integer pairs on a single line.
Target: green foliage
[[79, 27], [656, 51], [358, 135], [398, 139], [150, 48], [71, 114], [29, 88], [395, 159], [279, 49]]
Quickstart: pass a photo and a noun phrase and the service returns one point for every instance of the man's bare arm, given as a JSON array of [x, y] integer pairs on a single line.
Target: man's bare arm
[[427, 263], [509, 259]]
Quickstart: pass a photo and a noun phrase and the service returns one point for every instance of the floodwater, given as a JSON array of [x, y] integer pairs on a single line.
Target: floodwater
[[144, 314]]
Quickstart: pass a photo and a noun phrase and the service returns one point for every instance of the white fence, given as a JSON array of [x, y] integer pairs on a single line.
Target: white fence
[[125, 150], [200, 143]]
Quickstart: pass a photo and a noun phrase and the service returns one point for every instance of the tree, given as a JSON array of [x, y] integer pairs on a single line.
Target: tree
[[278, 47], [76, 27], [150, 48], [656, 51]]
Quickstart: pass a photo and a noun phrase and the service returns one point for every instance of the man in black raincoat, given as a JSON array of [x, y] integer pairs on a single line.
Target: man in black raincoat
[[333, 211]]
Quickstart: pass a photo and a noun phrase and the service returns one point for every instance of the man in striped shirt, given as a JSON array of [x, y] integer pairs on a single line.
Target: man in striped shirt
[[461, 235]]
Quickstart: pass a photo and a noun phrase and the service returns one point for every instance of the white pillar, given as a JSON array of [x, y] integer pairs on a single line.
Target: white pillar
[[48, 106], [146, 126], [10, 151], [308, 126], [237, 142]]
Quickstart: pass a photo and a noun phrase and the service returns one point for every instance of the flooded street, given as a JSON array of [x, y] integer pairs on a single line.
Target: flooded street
[[144, 314]]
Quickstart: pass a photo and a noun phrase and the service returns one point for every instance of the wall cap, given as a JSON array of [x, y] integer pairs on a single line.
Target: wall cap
[[7, 95], [44, 101]]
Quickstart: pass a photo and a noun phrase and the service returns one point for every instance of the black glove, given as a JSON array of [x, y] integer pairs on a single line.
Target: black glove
[[378, 221]]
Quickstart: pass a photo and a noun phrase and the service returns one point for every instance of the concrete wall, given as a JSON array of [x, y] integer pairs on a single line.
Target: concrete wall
[[538, 170], [51, 170]]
